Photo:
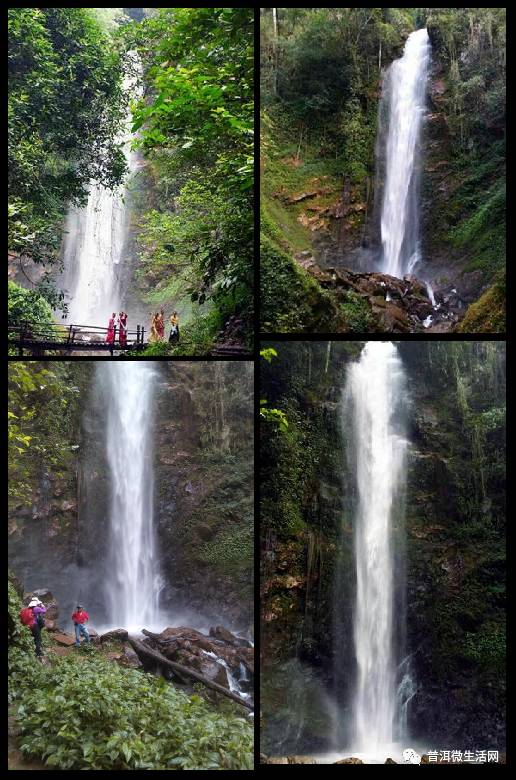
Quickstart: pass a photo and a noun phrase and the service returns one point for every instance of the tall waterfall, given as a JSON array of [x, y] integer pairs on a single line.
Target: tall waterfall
[[373, 413], [133, 579], [404, 91], [95, 241]]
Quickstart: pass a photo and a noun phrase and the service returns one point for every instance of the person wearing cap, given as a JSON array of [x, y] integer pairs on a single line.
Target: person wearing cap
[[79, 618], [35, 622]]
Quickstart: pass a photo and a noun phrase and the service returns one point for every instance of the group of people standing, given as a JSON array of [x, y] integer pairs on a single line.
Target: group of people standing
[[157, 332], [33, 616], [119, 322]]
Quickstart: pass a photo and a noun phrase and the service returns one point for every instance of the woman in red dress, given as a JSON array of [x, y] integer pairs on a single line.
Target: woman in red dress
[[122, 321], [160, 326], [111, 329]]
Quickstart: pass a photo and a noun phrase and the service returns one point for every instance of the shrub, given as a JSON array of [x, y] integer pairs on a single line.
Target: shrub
[[357, 313], [92, 714]]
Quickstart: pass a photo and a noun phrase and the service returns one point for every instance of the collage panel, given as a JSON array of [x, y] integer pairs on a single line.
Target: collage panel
[[131, 564], [382, 170], [131, 174], [383, 556]]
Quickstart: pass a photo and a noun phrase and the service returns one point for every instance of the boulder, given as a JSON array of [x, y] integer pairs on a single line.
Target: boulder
[[349, 761], [131, 658], [417, 287], [221, 633], [64, 639], [116, 635], [390, 761], [301, 760], [95, 638], [277, 760], [213, 671], [395, 320]]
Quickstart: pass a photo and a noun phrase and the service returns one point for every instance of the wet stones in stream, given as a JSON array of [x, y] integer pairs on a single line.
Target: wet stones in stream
[[216, 656], [396, 305]]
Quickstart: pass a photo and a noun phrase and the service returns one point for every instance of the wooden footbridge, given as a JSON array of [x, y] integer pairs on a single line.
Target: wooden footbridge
[[38, 339]]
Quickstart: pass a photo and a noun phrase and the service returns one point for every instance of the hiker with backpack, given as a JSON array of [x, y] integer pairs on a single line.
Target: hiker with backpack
[[79, 618], [32, 617]]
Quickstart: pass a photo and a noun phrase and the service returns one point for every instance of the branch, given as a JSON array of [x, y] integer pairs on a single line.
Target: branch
[[144, 651]]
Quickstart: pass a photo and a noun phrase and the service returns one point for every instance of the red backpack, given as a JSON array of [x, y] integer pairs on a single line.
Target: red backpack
[[27, 617]]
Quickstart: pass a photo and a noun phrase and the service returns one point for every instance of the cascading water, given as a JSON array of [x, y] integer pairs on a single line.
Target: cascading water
[[133, 578], [373, 403], [95, 239], [404, 91]]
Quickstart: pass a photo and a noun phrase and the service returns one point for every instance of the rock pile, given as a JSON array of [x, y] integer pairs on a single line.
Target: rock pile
[[396, 305]]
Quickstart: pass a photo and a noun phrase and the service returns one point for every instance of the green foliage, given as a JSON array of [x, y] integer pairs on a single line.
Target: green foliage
[[40, 416], [63, 111], [484, 231], [323, 64], [487, 315], [488, 648], [359, 132], [472, 42], [196, 129], [94, 715], [232, 549], [306, 309], [275, 416], [268, 353], [357, 313], [27, 306]]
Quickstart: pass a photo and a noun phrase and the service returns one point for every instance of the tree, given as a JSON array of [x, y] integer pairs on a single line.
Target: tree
[[64, 106]]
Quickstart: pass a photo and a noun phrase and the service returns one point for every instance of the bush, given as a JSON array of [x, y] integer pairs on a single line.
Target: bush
[[95, 715], [27, 306], [357, 313]]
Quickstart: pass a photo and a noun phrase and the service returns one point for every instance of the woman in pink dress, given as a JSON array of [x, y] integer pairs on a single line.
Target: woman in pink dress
[[122, 321], [111, 329]]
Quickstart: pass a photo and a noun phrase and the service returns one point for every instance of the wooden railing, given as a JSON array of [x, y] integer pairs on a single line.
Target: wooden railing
[[40, 338]]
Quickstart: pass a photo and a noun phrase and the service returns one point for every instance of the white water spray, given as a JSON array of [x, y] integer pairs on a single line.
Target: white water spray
[[373, 401], [133, 581], [95, 241], [404, 90]]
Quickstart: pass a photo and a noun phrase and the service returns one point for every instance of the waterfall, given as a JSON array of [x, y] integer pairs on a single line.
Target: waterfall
[[133, 579], [95, 239], [404, 92], [373, 405]]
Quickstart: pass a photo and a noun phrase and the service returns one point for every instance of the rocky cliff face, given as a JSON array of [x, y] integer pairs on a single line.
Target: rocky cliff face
[[203, 502], [454, 550], [204, 485]]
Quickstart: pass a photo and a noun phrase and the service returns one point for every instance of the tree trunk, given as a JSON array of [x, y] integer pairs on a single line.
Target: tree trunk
[[146, 652]]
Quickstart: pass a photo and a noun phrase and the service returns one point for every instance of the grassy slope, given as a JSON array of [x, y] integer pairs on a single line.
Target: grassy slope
[[291, 299]]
